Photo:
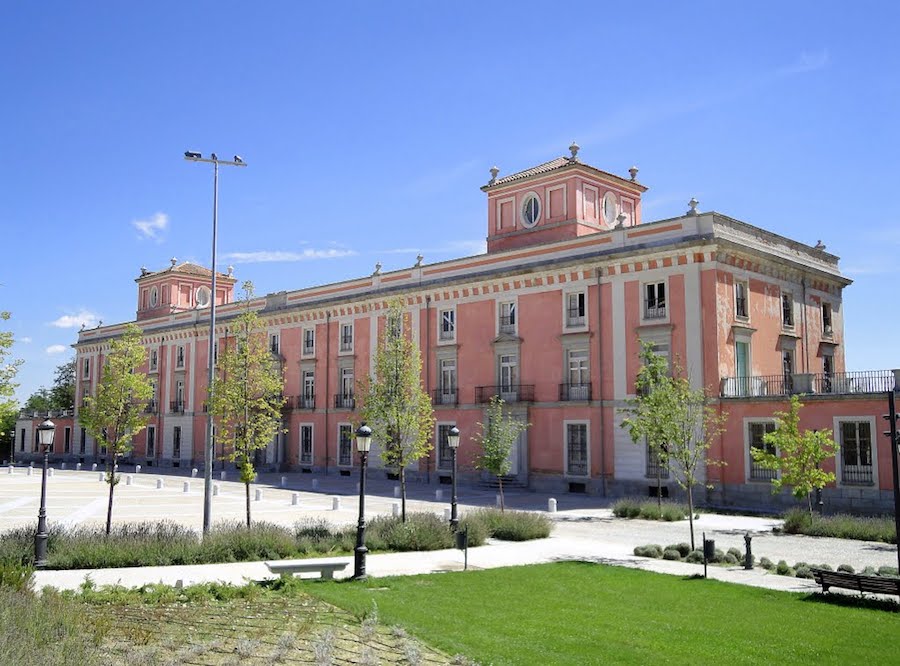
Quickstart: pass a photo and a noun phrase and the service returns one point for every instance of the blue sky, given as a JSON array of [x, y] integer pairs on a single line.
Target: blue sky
[[369, 127]]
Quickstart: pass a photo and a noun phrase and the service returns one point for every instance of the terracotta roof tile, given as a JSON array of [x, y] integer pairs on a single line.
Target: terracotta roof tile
[[552, 165]]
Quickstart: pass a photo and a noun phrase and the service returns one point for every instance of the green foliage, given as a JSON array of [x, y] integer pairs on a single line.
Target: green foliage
[[39, 401], [766, 563], [245, 399], [420, 531], [783, 569], [735, 553], [395, 405], [671, 554], [841, 526], [496, 440], [802, 571], [846, 568], [695, 557], [511, 525], [651, 550], [16, 576], [60, 396], [796, 454], [887, 571], [8, 369], [730, 559], [650, 510]]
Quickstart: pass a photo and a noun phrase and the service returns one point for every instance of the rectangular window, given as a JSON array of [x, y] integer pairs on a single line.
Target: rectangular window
[[655, 300], [154, 360], [82, 441], [576, 449], [346, 337], [308, 399], [345, 445], [756, 432], [87, 368], [445, 459], [22, 439], [67, 443], [37, 442], [579, 375], [856, 453], [740, 300], [179, 356], [448, 381], [509, 366], [176, 442], [306, 444], [309, 341], [742, 359], [178, 405], [448, 325], [507, 317], [656, 464], [345, 399], [575, 310], [274, 343], [826, 319], [787, 369], [787, 310], [151, 441]]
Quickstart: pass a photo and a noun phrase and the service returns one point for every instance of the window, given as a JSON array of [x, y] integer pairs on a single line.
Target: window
[[827, 384], [346, 337], [856, 452], [179, 396], [740, 300], [448, 325], [657, 466], [742, 359], [576, 449], [309, 341], [787, 310], [67, 443], [787, 368], [575, 310], [85, 392], [202, 297], [531, 210], [445, 455], [154, 297], [655, 300], [579, 375], [507, 317], [37, 443], [87, 368], [82, 441], [308, 399], [394, 324], [826, 319], [756, 432], [179, 356], [154, 360], [306, 444], [151, 441], [345, 399], [274, 343], [448, 381], [176, 442], [509, 366], [345, 445]]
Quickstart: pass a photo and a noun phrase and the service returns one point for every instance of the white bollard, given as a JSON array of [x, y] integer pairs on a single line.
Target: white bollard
[[101, 477], [357, 487], [93, 467], [438, 494], [215, 489], [62, 466], [137, 469], [258, 494], [315, 484], [77, 467], [283, 481], [187, 487], [31, 464], [335, 503], [10, 470], [498, 499], [128, 479], [447, 514], [194, 473], [395, 509], [160, 484], [396, 491], [29, 471], [49, 471], [551, 505], [295, 499], [222, 475], [115, 468]]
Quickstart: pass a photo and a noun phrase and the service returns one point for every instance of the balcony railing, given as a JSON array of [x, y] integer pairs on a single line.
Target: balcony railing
[[760, 473], [151, 407], [654, 311], [574, 392], [508, 324], [860, 475], [444, 397], [300, 402], [836, 383], [574, 318], [176, 407], [510, 393], [655, 468], [344, 401]]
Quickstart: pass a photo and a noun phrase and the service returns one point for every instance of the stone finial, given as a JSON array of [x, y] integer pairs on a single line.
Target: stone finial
[[377, 268], [820, 245], [574, 148], [231, 271], [99, 323], [144, 271], [620, 220], [173, 261], [82, 327], [634, 172], [419, 259], [693, 203], [494, 171]]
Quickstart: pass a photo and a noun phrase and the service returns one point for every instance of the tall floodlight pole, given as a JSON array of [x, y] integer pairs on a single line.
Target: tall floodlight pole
[[192, 156]]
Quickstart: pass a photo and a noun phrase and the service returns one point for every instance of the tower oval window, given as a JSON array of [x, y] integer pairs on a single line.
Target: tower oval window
[[531, 210], [154, 297], [202, 297]]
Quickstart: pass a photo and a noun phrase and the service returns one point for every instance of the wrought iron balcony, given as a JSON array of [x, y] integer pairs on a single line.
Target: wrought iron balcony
[[574, 392], [654, 311], [344, 401], [508, 324], [176, 407], [444, 397], [835, 383], [509, 393], [300, 402], [151, 407]]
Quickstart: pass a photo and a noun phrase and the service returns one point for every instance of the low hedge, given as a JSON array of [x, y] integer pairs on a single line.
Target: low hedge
[[630, 507], [841, 526]]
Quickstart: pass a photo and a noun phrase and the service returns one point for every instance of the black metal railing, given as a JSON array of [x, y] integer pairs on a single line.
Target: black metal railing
[[309, 350], [574, 392], [857, 475], [760, 473], [835, 383], [176, 407], [444, 397], [346, 343], [509, 393], [344, 401], [654, 311], [574, 317], [151, 407], [507, 324], [654, 466]]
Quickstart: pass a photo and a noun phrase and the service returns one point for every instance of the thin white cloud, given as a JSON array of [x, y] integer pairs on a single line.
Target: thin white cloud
[[152, 228], [266, 256], [81, 318], [25, 341], [52, 350], [806, 62]]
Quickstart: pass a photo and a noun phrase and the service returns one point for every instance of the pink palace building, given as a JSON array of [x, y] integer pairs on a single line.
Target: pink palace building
[[551, 318]]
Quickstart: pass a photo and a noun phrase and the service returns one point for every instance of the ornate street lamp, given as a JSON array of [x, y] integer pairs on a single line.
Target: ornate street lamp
[[363, 444], [453, 443], [46, 431]]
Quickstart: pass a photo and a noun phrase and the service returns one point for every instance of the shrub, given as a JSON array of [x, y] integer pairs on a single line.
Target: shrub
[[766, 563], [694, 557], [846, 568], [649, 510], [887, 571], [869, 571], [671, 554], [235, 542], [802, 571], [729, 558], [735, 553], [782, 568], [650, 550], [683, 548], [841, 526], [512, 525], [421, 531], [16, 577], [826, 567]]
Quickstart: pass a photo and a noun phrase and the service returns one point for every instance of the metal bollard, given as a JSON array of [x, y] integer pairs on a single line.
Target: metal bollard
[[748, 555], [49, 471], [499, 500], [396, 491], [101, 477], [295, 499], [395, 509], [258, 494], [194, 473], [29, 472], [128, 479], [315, 484], [62, 466], [93, 467], [77, 467], [551, 505], [137, 469], [438, 494], [187, 487], [283, 481], [215, 489], [222, 475], [447, 513], [160, 484], [335, 503], [10, 470]]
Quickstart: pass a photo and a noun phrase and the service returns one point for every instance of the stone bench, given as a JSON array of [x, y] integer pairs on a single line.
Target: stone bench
[[325, 568], [858, 582]]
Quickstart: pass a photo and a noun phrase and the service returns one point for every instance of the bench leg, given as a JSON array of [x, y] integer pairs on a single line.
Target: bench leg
[[327, 574]]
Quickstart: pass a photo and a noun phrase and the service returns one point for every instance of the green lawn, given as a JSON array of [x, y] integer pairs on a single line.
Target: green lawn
[[582, 613]]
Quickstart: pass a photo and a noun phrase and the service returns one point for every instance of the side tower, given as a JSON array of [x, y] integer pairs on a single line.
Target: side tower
[[180, 287]]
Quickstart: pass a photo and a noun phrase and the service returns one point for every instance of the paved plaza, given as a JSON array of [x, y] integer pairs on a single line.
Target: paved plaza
[[584, 528]]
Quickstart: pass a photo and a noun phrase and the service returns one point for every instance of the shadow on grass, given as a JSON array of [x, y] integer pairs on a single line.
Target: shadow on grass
[[854, 601]]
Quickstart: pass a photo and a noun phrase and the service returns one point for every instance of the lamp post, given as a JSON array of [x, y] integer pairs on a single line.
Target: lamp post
[[192, 156], [12, 447], [453, 443], [363, 443], [45, 433]]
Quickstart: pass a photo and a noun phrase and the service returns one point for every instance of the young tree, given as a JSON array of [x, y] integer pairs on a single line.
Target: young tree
[[62, 393], [39, 401], [115, 414], [8, 369], [496, 440], [796, 454], [394, 403], [641, 419], [247, 397]]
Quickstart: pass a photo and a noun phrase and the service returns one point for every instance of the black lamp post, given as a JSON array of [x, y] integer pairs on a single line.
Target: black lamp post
[[45, 433], [453, 443], [12, 447], [363, 443]]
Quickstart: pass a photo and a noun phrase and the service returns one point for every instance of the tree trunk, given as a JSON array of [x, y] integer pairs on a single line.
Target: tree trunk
[[112, 486], [658, 486], [500, 488], [247, 494], [402, 492], [809, 503], [690, 494]]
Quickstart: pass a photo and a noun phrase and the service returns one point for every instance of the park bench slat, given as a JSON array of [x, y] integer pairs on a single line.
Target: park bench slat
[[858, 582]]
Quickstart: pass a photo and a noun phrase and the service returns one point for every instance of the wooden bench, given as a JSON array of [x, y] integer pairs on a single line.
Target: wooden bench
[[325, 568], [848, 581]]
